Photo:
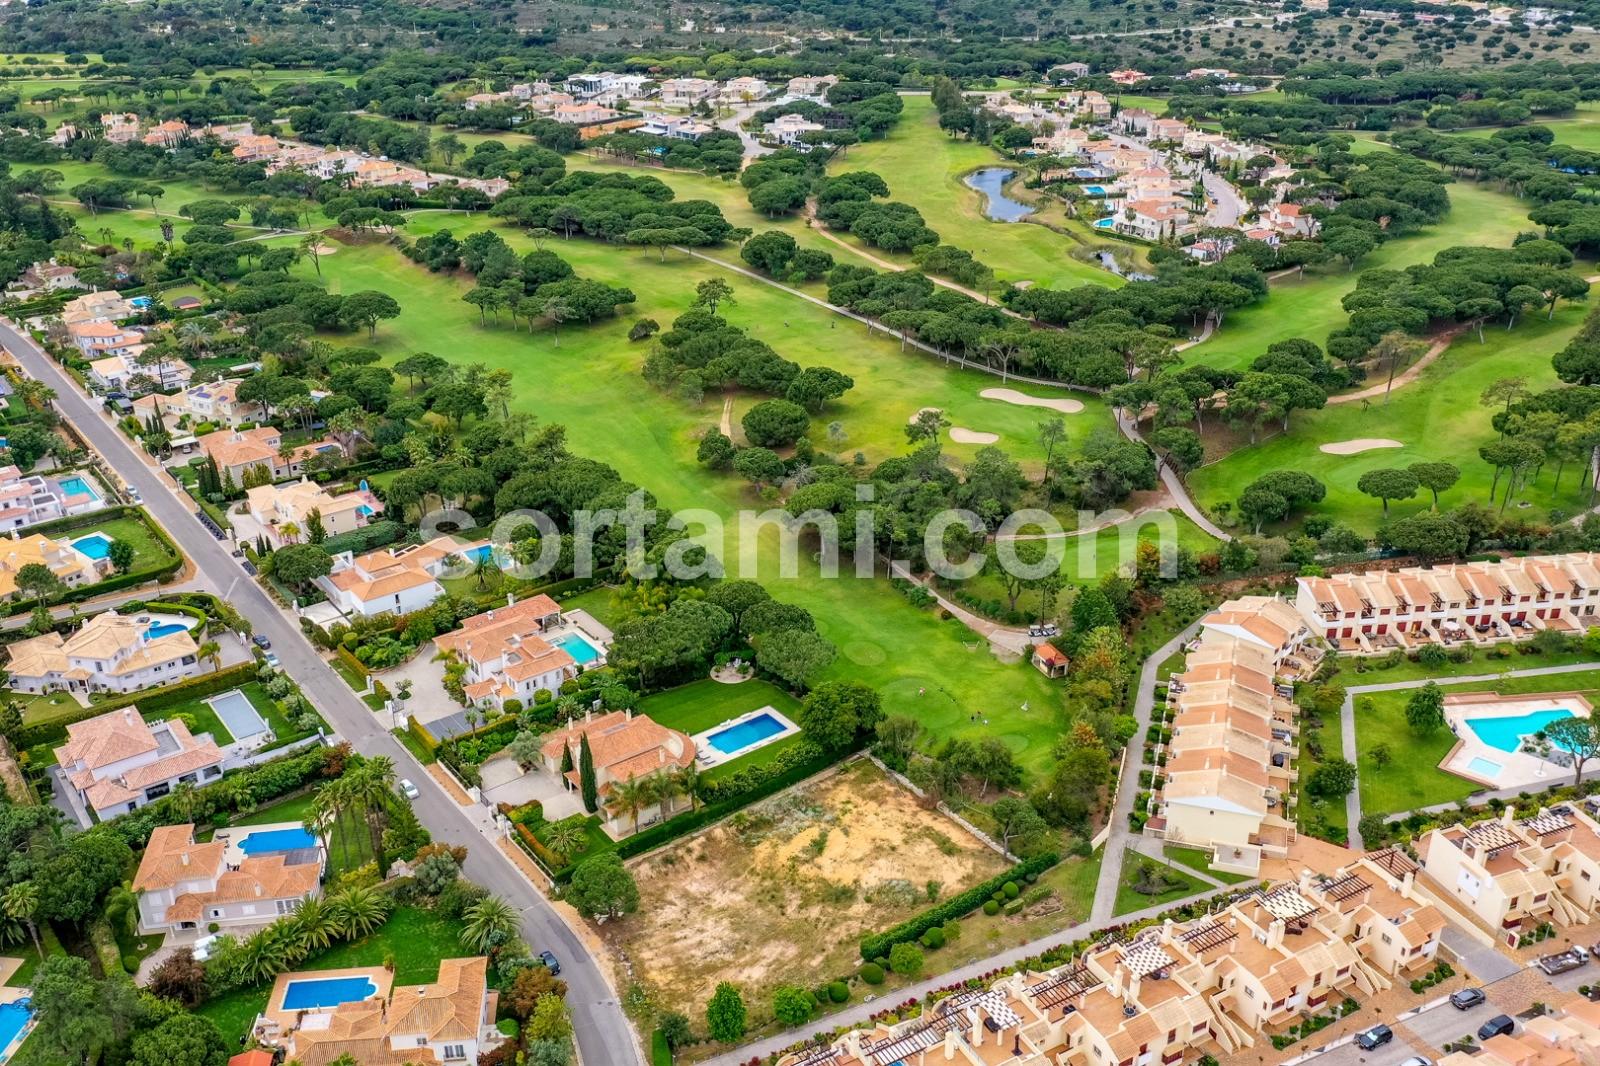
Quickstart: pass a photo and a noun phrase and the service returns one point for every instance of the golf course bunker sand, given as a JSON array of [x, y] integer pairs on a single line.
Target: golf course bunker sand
[[782, 892], [1356, 447], [1022, 399], [972, 436], [922, 411]]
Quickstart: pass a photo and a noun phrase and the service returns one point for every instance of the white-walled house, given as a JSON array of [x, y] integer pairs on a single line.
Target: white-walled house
[[185, 885], [118, 762], [506, 654], [111, 653], [788, 129], [379, 582]]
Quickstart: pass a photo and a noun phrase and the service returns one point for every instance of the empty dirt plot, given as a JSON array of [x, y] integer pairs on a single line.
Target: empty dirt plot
[[782, 892]]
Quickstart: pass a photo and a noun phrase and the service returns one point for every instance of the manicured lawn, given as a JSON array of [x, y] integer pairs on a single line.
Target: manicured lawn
[[294, 809], [1196, 859], [1412, 778], [414, 938], [697, 707], [200, 718], [1128, 899], [46, 708], [349, 845], [882, 640], [597, 602], [148, 551], [1438, 417], [1480, 663], [1312, 810], [924, 167]]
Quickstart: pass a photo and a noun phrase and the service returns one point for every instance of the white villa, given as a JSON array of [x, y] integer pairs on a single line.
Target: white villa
[[283, 512], [788, 129], [111, 653], [118, 762], [185, 885], [396, 580], [27, 499], [506, 653]]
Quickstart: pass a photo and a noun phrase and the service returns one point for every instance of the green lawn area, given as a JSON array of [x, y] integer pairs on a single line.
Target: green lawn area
[[924, 168], [1129, 899], [414, 938], [882, 640], [149, 552], [1437, 417], [699, 706], [1312, 809], [1195, 859], [1480, 663], [349, 846], [46, 708], [1412, 778], [597, 601]]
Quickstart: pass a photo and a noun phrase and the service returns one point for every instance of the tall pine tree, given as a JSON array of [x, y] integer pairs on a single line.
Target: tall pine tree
[[586, 781]]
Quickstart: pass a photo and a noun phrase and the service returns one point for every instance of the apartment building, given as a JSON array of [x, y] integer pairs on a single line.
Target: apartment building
[[28, 499], [1230, 766], [509, 652], [283, 513], [182, 884], [1494, 873], [1478, 603], [111, 653], [118, 762], [1565, 842], [1374, 905]]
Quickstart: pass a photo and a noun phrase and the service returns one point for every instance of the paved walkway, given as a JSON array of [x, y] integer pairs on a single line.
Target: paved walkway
[[1122, 837], [1440, 345], [1347, 720]]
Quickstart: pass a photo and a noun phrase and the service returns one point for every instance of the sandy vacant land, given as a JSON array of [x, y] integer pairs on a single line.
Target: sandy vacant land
[[1356, 447], [781, 893]]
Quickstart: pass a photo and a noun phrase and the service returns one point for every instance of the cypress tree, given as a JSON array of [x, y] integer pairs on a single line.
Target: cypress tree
[[566, 759], [586, 781]]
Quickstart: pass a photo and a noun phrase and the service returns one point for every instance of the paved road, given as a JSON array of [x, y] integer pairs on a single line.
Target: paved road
[[1121, 838], [604, 1035]]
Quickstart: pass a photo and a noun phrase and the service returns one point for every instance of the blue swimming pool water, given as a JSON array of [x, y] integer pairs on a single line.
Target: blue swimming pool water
[[164, 629], [582, 652], [140, 302], [1104, 223], [1095, 190], [1504, 733], [13, 1018], [365, 510], [479, 554], [747, 733], [1485, 768], [271, 840], [327, 992], [95, 545], [77, 486]]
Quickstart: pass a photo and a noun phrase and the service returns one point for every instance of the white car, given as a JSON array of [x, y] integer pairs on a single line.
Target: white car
[[133, 495], [408, 790], [202, 947]]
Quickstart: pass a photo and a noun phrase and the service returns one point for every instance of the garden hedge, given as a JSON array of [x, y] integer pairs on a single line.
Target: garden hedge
[[150, 699], [957, 906], [112, 582]]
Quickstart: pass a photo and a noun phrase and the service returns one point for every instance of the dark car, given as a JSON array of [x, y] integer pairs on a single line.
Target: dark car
[[1499, 1025], [1375, 1037], [249, 567], [261, 641], [1467, 998], [550, 961]]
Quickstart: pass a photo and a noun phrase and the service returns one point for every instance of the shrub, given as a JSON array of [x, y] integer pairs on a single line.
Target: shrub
[[957, 906], [1011, 890], [991, 908], [838, 991], [871, 973], [933, 939], [905, 960], [130, 963]]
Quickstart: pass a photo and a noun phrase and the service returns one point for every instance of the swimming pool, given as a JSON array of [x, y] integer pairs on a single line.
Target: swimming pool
[[267, 841], [14, 1018], [164, 629], [583, 653], [1505, 734], [308, 994], [238, 714], [479, 553], [748, 733], [96, 545], [1487, 769], [140, 303], [77, 486], [365, 510], [1095, 190], [1104, 223]]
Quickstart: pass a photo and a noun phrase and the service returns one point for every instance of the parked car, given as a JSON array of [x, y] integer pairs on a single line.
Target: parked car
[[203, 946], [1467, 998], [1417, 1060], [408, 790], [133, 495], [1499, 1025], [249, 567], [1563, 961], [271, 660], [550, 961], [1375, 1037], [261, 641]]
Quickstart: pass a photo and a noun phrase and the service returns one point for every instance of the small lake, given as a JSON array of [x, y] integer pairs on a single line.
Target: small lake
[[996, 204]]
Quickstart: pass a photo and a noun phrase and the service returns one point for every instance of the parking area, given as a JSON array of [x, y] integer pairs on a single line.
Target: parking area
[[1390, 1054]]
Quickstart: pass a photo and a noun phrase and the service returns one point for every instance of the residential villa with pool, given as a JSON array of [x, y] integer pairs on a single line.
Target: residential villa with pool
[[240, 881], [28, 499], [111, 653], [117, 762], [77, 561], [624, 746], [516, 651], [318, 1016]]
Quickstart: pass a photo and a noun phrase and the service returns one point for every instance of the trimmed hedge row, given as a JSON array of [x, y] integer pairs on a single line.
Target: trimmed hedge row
[[348, 658], [960, 905], [150, 699]]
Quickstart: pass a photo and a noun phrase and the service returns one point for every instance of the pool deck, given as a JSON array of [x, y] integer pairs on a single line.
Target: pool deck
[[285, 1020], [1517, 768], [233, 854], [708, 756]]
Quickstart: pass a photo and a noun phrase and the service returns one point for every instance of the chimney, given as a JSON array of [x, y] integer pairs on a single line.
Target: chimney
[[183, 858], [511, 599], [976, 1016], [1275, 933]]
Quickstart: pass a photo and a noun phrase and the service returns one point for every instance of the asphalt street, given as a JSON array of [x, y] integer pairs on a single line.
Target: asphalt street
[[603, 1033]]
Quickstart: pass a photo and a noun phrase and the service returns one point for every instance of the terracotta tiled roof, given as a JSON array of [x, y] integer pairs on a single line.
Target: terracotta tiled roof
[[262, 877], [172, 856], [450, 1009]]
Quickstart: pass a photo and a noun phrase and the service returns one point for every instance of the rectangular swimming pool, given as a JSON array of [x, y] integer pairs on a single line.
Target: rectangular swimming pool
[[268, 841], [583, 653], [1505, 734], [77, 486], [1487, 769], [96, 546], [238, 714], [748, 733], [14, 1018], [310, 993]]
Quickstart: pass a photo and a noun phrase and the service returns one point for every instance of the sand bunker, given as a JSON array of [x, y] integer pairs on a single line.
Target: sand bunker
[[972, 436], [913, 419], [321, 250], [1364, 444], [1022, 399]]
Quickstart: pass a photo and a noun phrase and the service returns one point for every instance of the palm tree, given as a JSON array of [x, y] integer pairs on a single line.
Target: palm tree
[[490, 922], [358, 911], [327, 810], [21, 903], [633, 795], [213, 651], [265, 955], [314, 924], [372, 789], [687, 783], [566, 837]]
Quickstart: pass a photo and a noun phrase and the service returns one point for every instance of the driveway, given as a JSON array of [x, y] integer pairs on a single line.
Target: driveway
[[505, 782]]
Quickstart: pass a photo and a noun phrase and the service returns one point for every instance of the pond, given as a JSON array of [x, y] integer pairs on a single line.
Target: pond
[[990, 181]]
